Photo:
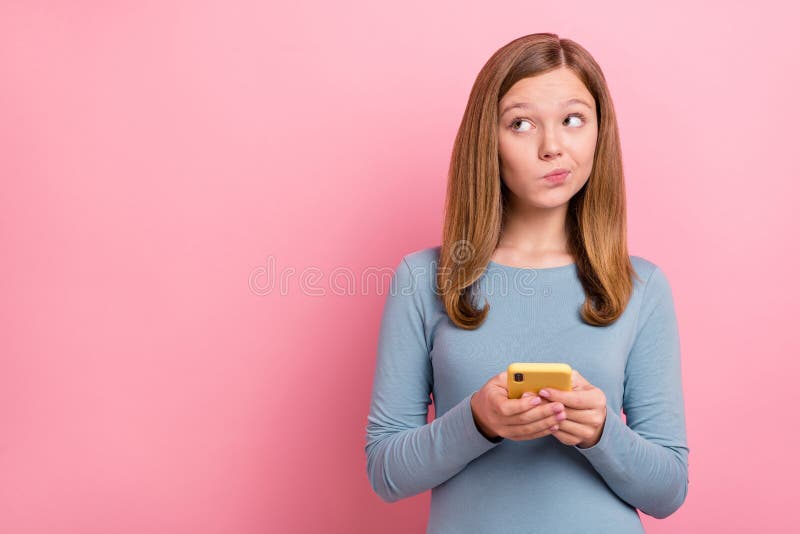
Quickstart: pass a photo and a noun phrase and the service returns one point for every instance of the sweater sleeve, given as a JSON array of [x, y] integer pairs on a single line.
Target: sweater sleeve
[[645, 460], [405, 454]]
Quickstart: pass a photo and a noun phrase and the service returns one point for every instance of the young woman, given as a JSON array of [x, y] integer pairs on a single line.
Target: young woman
[[533, 267]]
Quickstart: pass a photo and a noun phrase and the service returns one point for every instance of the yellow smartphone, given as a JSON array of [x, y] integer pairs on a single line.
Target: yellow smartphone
[[532, 377]]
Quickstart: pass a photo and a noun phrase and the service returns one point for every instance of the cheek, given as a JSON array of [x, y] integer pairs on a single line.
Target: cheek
[[508, 160], [516, 155], [590, 145]]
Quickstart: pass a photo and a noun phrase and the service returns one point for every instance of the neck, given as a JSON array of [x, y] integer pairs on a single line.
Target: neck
[[535, 231]]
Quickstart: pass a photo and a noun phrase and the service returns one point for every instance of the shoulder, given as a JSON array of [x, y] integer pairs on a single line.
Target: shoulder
[[643, 267], [424, 257], [653, 278], [416, 272], [420, 265], [654, 291]]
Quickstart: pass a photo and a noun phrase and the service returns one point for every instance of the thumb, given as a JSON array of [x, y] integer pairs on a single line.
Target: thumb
[[578, 382], [501, 379]]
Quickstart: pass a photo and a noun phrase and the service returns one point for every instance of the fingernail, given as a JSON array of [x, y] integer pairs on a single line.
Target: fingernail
[[544, 393], [527, 394], [535, 401]]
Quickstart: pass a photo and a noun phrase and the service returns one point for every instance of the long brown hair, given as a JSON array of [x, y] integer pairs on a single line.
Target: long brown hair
[[476, 196]]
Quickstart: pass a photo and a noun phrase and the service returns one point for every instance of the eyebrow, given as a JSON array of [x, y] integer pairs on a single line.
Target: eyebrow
[[525, 105]]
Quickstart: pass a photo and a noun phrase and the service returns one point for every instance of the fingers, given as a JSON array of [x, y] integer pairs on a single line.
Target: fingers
[[581, 399], [535, 435], [584, 417], [549, 411], [499, 400], [565, 437], [545, 421], [572, 432], [511, 407], [505, 407]]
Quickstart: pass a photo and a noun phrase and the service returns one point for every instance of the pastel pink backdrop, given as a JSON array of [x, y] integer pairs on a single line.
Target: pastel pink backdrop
[[158, 156]]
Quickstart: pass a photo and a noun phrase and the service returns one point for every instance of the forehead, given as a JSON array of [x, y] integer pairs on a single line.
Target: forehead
[[554, 89]]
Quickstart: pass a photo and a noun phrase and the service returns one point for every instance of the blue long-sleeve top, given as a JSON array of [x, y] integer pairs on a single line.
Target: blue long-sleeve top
[[540, 485]]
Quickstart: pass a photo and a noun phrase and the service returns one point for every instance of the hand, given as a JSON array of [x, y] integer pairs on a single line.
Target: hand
[[517, 419], [585, 409]]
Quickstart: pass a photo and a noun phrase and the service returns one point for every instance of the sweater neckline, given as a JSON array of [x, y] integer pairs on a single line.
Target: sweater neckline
[[570, 267]]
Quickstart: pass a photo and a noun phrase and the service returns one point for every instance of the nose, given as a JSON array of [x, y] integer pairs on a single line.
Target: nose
[[551, 145]]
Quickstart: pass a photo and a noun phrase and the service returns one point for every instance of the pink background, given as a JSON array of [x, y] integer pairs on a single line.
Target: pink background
[[156, 157]]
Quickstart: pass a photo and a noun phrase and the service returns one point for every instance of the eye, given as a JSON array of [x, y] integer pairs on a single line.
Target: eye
[[516, 120], [580, 116]]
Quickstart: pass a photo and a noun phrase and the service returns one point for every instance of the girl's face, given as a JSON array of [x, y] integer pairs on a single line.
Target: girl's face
[[542, 129]]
